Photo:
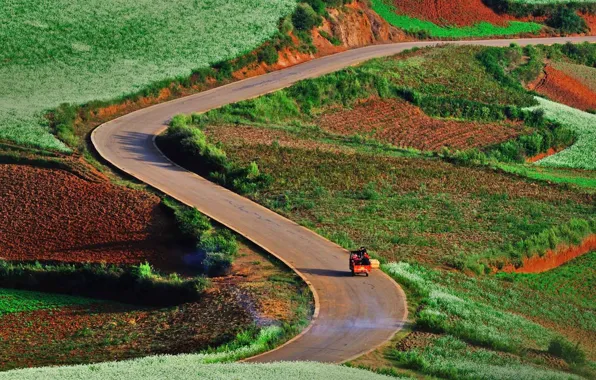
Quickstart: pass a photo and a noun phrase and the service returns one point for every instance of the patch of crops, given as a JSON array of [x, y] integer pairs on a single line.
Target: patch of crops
[[482, 29], [14, 301], [582, 154], [79, 51], [183, 368], [574, 282], [425, 71], [450, 12], [450, 358], [583, 179]]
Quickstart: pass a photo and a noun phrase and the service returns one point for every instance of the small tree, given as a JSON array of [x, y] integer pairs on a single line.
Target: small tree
[[305, 18], [566, 20]]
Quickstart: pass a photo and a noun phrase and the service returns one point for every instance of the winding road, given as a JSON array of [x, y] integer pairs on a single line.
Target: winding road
[[352, 315]]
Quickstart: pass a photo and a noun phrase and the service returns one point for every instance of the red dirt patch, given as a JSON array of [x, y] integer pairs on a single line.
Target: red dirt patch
[[450, 12], [50, 214], [591, 21], [564, 89], [554, 259], [401, 124], [540, 156]]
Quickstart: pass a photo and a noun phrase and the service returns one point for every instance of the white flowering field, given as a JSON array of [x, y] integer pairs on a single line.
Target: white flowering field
[[582, 154], [81, 50], [184, 367]]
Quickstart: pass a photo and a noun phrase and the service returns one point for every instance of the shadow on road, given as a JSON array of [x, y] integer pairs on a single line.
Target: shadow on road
[[326, 272]]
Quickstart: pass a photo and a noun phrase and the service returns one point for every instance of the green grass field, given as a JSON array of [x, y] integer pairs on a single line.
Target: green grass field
[[79, 51], [485, 29], [14, 301]]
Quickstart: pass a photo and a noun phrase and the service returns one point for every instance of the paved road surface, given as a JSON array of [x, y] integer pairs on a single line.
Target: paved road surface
[[353, 315]]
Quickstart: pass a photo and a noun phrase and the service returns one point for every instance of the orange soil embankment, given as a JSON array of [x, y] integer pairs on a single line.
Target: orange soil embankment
[[540, 156], [553, 259], [564, 89]]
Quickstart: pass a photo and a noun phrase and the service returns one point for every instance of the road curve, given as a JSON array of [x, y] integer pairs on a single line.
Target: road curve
[[353, 315]]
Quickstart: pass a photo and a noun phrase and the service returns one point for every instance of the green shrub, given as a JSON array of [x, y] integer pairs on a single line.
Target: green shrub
[[268, 54], [305, 18], [564, 349], [567, 21], [131, 284]]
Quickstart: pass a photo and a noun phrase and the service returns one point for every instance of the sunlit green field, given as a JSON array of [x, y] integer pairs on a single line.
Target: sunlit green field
[[77, 51]]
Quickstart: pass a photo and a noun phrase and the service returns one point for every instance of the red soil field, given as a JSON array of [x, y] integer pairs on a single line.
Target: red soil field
[[402, 124], [50, 214], [562, 88], [450, 12], [554, 259]]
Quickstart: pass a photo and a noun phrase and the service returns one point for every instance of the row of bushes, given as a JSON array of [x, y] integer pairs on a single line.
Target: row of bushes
[[216, 247], [187, 145], [522, 8], [583, 54], [130, 284], [570, 233]]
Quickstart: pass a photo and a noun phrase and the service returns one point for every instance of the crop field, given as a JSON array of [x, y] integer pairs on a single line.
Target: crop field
[[188, 367], [16, 301], [79, 51], [582, 178], [469, 309], [450, 12], [582, 155], [480, 29], [425, 71], [60, 216], [401, 124], [584, 74], [563, 88], [46, 329]]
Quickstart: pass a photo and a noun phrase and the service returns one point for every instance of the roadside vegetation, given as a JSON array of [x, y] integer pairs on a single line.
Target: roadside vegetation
[[337, 166]]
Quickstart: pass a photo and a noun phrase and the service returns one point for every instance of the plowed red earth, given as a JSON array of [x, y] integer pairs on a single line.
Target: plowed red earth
[[50, 214], [450, 12], [562, 88], [401, 124]]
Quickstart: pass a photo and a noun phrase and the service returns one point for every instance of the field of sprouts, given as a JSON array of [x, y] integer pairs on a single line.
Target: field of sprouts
[[582, 154], [477, 29], [80, 51]]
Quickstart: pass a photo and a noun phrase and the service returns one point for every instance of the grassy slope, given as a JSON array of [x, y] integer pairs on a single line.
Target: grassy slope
[[14, 301], [79, 51], [485, 29]]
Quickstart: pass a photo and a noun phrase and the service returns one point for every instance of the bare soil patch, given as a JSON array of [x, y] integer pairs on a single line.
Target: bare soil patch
[[401, 124], [565, 89], [451, 12], [241, 135], [51, 214]]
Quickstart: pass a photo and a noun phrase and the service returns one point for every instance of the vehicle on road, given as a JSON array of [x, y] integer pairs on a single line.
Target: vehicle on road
[[360, 262]]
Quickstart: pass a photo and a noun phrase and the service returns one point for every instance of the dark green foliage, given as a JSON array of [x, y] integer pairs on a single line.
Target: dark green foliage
[[521, 9], [584, 54], [305, 18], [567, 21], [130, 284], [334, 40], [268, 54], [564, 349], [318, 6], [217, 247]]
